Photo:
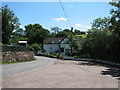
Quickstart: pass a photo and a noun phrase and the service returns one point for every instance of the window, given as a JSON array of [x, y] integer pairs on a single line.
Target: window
[[62, 50], [51, 42]]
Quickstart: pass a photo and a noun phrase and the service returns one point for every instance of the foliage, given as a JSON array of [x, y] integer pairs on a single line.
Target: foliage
[[64, 33], [1, 44], [78, 32], [9, 23], [55, 30], [115, 28], [35, 47], [54, 55], [18, 35], [35, 33], [103, 39], [83, 35], [97, 43], [100, 23]]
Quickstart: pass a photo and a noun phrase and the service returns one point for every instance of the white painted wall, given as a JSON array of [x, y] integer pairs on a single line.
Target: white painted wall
[[47, 47], [64, 46], [55, 47]]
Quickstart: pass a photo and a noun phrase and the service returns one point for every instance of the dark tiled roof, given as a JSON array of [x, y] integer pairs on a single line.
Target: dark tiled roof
[[52, 40]]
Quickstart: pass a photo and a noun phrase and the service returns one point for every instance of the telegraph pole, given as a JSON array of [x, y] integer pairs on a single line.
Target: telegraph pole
[[72, 41]]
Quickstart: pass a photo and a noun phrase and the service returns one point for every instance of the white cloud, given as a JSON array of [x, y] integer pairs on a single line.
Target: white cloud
[[70, 5], [59, 19], [78, 25], [20, 26], [88, 27]]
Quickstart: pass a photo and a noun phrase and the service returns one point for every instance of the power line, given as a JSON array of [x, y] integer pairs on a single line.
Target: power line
[[65, 14]]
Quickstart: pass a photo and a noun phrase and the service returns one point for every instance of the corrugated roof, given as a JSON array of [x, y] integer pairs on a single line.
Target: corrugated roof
[[52, 40]]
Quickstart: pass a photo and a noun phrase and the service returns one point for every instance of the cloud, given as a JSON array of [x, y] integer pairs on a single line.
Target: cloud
[[59, 19], [78, 25], [20, 26], [70, 5], [88, 27]]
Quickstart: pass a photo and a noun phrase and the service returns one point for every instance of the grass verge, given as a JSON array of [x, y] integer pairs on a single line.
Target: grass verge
[[17, 62]]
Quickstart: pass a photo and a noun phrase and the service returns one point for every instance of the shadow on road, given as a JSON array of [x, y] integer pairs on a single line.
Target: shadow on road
[[93, 63], [113, 71]]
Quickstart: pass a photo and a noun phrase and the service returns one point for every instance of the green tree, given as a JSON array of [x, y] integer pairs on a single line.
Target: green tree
[[64, 33], [103, 40], [115, 28], [9, 23], [55, 30], [18, 35], [100, 23], [19, 32], [97, 43], [35, 47], [78, 32], [35, 33]]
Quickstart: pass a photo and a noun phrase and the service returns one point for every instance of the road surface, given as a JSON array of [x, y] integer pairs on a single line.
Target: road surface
[[10, 69], [61, 74]]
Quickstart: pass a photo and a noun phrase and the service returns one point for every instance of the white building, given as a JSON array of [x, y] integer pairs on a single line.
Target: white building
[[22, 43], [57, 45]]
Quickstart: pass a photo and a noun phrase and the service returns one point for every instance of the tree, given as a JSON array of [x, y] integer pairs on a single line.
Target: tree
[[55, 30], [35, 33], [64, 33], [97, 43], [9, 23], [18, 35], [103, 39], [35, 47], [78, 32], [19, 32], [100, 23], [115, 28]]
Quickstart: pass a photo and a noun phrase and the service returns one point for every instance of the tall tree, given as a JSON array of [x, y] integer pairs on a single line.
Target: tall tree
[[9, 23], [18, 35], [35, 33], [100, 23], [115, 27], [65, 32], [78, 32], [55, 30], [103, 39]]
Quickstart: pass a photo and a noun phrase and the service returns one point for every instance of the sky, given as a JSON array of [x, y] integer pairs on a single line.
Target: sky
[[50, 14]]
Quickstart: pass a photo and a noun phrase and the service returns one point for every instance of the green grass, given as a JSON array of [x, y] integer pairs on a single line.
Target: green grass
[[83, 36], [17, 62]]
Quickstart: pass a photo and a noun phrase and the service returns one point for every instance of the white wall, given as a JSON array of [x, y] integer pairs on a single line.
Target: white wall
[[47, 47], [64, 46]]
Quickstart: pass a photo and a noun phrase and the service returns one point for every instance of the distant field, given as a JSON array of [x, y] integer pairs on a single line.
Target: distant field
[[83, 36]]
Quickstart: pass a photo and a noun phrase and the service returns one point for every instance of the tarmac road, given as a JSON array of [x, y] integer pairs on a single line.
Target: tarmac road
[[10, 69], [62, 74]]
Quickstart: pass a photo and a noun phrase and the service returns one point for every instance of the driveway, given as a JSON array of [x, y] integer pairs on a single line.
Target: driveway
[[10, 69], [64, 74]]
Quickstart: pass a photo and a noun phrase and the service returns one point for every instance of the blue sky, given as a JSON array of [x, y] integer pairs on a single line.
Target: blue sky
[[50, 14]]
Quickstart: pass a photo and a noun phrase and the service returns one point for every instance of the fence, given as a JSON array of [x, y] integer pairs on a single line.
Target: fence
[[13, 48]]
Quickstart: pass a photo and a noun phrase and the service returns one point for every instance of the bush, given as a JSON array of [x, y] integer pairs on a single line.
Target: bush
[[35, 47]]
